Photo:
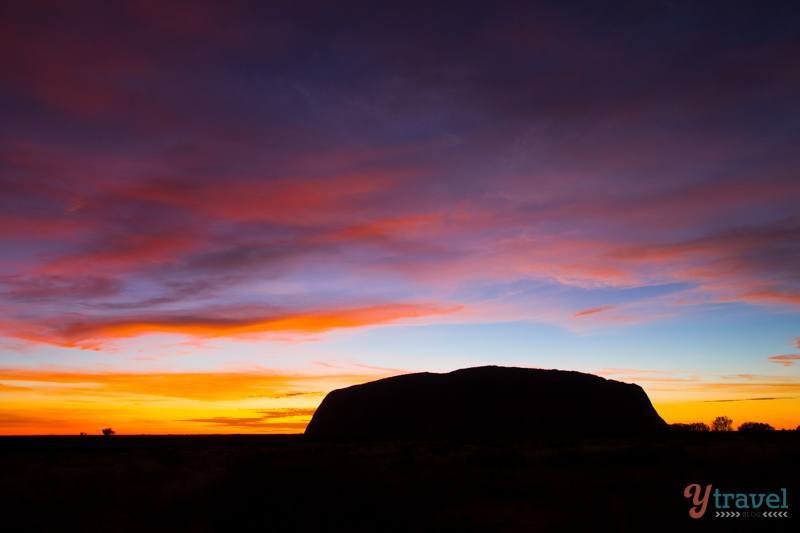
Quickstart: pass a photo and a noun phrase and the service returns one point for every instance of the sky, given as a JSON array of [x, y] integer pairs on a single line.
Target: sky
[[213, 213]]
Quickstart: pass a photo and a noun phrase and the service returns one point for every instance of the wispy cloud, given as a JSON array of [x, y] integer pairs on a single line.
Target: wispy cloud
[[785, 360], [593, 310], [756, 399], [204, 386], [269, 419], [93, 331]]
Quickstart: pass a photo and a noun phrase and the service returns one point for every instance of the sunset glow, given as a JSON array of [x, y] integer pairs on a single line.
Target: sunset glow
[[211, 217]]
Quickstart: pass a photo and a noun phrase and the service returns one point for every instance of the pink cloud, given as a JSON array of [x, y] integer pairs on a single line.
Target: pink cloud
[[93, 332], [124, 254], [146, 179], [785, 360], [593, 310]]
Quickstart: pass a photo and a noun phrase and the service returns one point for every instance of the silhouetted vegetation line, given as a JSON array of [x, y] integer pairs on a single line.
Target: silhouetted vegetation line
[[694, 426], [722, 423], [756, 426]]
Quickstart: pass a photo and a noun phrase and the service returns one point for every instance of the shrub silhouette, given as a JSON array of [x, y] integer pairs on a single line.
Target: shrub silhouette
[[108, 432], [694, 426], [755, 426], [722, 423]]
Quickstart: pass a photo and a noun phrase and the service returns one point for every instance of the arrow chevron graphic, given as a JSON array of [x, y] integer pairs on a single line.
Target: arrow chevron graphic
[[764, 514]]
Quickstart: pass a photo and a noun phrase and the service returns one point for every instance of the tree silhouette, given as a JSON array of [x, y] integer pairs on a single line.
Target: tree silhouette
[[694, 426], [722, 423], [755, 426], [108, 432]]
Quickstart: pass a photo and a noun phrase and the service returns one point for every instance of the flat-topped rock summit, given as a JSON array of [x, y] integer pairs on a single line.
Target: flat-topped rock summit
[[488, 401]]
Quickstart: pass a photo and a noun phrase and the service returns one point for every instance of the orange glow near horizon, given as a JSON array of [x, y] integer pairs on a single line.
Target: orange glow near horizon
[[187, 199], [58, 403], [781, 414]]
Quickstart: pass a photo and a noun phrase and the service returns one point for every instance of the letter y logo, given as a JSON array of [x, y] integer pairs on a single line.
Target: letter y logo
[[700, 503]]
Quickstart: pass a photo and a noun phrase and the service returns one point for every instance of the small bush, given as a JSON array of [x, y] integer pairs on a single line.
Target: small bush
[[694, 426], [755, 426], [722, 423], [108, 432]]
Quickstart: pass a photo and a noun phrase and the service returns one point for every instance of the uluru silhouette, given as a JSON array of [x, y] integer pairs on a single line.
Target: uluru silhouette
[[488, 401]]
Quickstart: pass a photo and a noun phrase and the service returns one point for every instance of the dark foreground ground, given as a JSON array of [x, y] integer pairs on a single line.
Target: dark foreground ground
[[271, 483]]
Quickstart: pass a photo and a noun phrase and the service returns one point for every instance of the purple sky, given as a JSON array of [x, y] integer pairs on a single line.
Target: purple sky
[[359, 185]]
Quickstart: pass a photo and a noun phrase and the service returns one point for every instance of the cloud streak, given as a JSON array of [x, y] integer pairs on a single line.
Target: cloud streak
[[93, 332], [593, 310], [204, 386], [756, 399], [785, 360], [270, 419]]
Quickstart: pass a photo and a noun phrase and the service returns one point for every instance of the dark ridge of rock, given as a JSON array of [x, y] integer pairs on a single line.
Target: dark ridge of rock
[[488, 401]]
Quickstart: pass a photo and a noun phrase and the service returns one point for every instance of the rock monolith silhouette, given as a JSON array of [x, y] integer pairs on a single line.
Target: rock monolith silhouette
[[489, 401]]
